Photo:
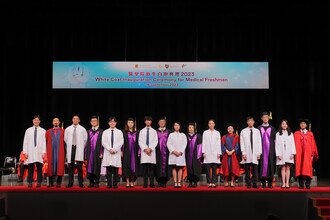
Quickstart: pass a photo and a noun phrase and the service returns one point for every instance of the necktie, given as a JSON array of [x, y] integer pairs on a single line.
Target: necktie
[[35, 136], [147, 139], [74, 139], [112, 138], [251, 139]]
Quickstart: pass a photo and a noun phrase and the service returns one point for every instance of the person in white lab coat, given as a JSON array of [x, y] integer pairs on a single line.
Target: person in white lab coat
[[176, 144], [148, 140], [112, 141], [75, 137], [211, 149], [250, 140], [285, 150], [34, 149]]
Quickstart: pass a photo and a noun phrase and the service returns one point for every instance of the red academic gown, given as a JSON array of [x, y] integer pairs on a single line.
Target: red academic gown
[[60, 156], [234, 161], [306, 151]]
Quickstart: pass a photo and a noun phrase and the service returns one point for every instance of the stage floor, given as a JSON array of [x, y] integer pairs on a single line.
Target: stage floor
[[10, 181], [156, 203]]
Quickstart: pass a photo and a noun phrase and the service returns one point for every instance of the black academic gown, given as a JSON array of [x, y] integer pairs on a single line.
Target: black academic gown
[[162, 173], [272, 155], [98, 150], [126, 163], [196, 167]]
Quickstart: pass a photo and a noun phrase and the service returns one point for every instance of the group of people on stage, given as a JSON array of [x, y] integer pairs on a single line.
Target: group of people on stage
[[162, 154]]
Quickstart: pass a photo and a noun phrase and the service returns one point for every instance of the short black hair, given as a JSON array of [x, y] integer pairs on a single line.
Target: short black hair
[[162, 118], [76, 115], [56, 117], [94, 117], [112, 118], [191, 124], [36, 116], [147, 118], [249, 118]]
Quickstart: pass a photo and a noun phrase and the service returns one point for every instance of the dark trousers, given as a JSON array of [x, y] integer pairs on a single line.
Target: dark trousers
[[22, 168], [31, 172], [52, 178], [112, 171], [209, 178], [148, 172], [304, 180], [192, 178], [269, 180], [248, 173], [71, 167], [93, 178]]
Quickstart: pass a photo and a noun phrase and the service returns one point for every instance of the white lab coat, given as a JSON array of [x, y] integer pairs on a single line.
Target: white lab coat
[[34, 152], [251, 157], [81, 135], [211, 146], [153, 141], [177, 141], [109, 159], [284, 147]]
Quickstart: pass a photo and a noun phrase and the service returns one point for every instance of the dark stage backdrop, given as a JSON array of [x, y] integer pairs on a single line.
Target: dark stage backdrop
[[292, 36]]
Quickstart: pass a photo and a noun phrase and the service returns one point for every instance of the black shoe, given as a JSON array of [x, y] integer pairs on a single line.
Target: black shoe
[[81, 186], [97, 185], [58, 185], [38, 185], [255, 186], [270, 186], [194, 185], [70, 185], [308, 187], [145, 186], [109, 186], [50, 186], [152, 185], [30, 185], [20, 179], [91, 185], [263, 185], [115, 186], [301, 187], [189, 185]]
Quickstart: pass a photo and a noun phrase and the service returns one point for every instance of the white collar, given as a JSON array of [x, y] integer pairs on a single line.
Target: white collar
[[95, 128], [304, 131]]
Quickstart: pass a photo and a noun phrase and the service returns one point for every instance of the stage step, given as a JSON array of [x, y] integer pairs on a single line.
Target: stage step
[[322, 208]]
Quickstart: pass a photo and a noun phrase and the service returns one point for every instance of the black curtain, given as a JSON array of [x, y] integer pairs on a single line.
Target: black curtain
[[292, 36]]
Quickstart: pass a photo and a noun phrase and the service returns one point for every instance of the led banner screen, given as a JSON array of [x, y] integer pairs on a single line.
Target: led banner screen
[[160, 75]]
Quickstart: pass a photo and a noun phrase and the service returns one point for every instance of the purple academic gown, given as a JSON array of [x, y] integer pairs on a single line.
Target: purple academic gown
[[267, 160], [162, 153], [194, 155], [130, 163], [93, 151]]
